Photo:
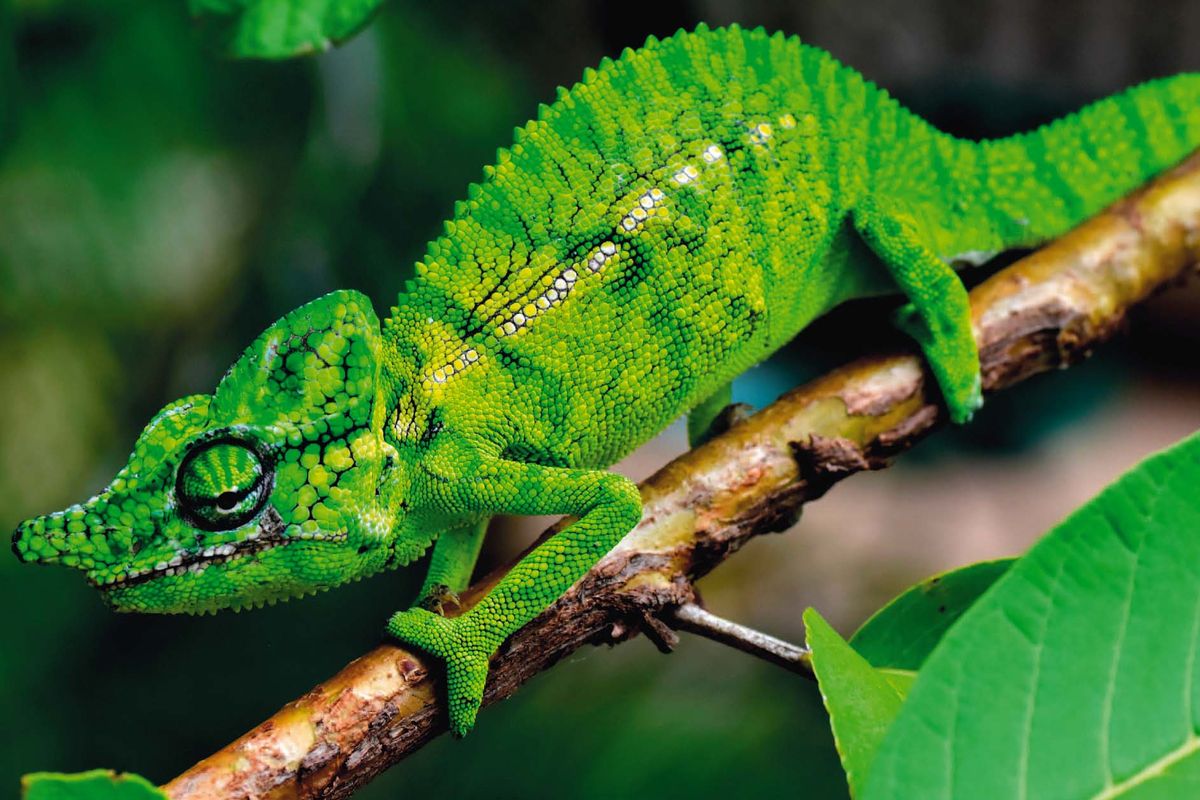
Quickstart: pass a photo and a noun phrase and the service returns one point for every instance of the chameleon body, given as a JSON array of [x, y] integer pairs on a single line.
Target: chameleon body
[[665, 224]]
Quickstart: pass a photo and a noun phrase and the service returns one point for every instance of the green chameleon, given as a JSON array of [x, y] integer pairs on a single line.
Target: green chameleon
[[664, 225]]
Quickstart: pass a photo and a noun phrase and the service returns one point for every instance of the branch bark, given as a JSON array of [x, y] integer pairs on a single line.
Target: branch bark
[[1045, 311]]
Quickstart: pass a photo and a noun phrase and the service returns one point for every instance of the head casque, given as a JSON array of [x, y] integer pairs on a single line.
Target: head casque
[[269, 488]]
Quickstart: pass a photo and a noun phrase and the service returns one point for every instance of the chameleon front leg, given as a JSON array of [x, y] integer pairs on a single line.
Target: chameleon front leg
[[607, 507], [939, 314], [451, 565]]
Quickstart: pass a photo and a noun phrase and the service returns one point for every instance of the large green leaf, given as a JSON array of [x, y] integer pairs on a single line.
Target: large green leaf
[[284, 28], [1077, 674], [905, 631], [99, 784], [860, 700], [900, 679]]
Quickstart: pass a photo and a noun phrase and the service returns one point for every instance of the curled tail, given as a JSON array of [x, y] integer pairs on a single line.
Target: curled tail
[[1042, 183]]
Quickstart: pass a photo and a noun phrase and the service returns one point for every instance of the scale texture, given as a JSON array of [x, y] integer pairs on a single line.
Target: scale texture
[[663, 225]]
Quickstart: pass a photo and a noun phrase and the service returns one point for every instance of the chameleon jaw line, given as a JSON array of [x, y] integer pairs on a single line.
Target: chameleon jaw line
[[270, 536]]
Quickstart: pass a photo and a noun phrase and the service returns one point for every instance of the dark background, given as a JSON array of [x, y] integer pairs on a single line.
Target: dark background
[[159, 206]]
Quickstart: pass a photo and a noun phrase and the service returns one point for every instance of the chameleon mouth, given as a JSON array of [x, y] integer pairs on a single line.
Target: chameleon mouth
[[270, 534], [196, 562], [186, 562]]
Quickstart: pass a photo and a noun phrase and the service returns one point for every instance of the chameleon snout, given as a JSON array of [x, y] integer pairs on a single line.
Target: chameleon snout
[[20, 542], [35, 539], [73, 537]]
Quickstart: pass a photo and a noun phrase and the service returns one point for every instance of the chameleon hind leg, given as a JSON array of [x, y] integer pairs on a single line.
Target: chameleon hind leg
[[606, 505], [451, 565], [939, 314]]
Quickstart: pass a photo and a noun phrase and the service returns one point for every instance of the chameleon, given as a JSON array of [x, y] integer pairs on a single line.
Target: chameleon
[[663, 225]]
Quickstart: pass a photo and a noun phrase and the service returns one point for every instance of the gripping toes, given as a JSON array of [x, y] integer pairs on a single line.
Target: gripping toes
[[466, 651], [954, 365]]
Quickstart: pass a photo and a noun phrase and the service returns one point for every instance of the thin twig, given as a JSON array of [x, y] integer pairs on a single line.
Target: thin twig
[[694, 619], [1043, 312]]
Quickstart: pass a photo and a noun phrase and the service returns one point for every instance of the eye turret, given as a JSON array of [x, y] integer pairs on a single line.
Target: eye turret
[[221, 485]]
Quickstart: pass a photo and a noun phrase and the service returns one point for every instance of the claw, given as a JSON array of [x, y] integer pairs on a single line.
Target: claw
[[439, 599]]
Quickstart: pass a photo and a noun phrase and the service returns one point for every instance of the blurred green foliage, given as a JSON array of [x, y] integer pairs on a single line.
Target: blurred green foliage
[[283, 28]]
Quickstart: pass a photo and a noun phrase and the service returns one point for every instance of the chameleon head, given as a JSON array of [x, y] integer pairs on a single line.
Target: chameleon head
[[266, 489]]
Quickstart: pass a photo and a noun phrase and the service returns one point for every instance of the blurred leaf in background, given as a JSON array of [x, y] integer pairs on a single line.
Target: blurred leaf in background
[[284, 28], [99, 784]]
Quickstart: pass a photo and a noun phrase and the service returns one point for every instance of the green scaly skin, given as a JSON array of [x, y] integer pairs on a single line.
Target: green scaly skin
[[665, 224]]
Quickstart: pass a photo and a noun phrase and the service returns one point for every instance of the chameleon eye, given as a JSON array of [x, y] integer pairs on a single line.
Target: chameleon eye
[[221, 485]]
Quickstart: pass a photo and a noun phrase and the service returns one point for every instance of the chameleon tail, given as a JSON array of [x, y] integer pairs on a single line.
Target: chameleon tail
[[947, 202], [1044, 182]]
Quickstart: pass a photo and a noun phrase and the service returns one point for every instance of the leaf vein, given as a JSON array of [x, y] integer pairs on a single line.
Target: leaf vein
[[1039, 646], [1110, 684]]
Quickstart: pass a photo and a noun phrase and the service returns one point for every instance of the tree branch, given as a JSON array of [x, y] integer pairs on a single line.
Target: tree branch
[[1045, 311], [692, 618]]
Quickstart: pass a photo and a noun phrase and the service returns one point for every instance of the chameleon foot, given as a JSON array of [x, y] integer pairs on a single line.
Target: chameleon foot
[[962, 389], [466, 651]]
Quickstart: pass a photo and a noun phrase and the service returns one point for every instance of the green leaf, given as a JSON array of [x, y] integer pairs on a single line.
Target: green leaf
[[900, 679], [861, 701], [1077, 674], [905, 631], [284, 28], [99, 784]]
